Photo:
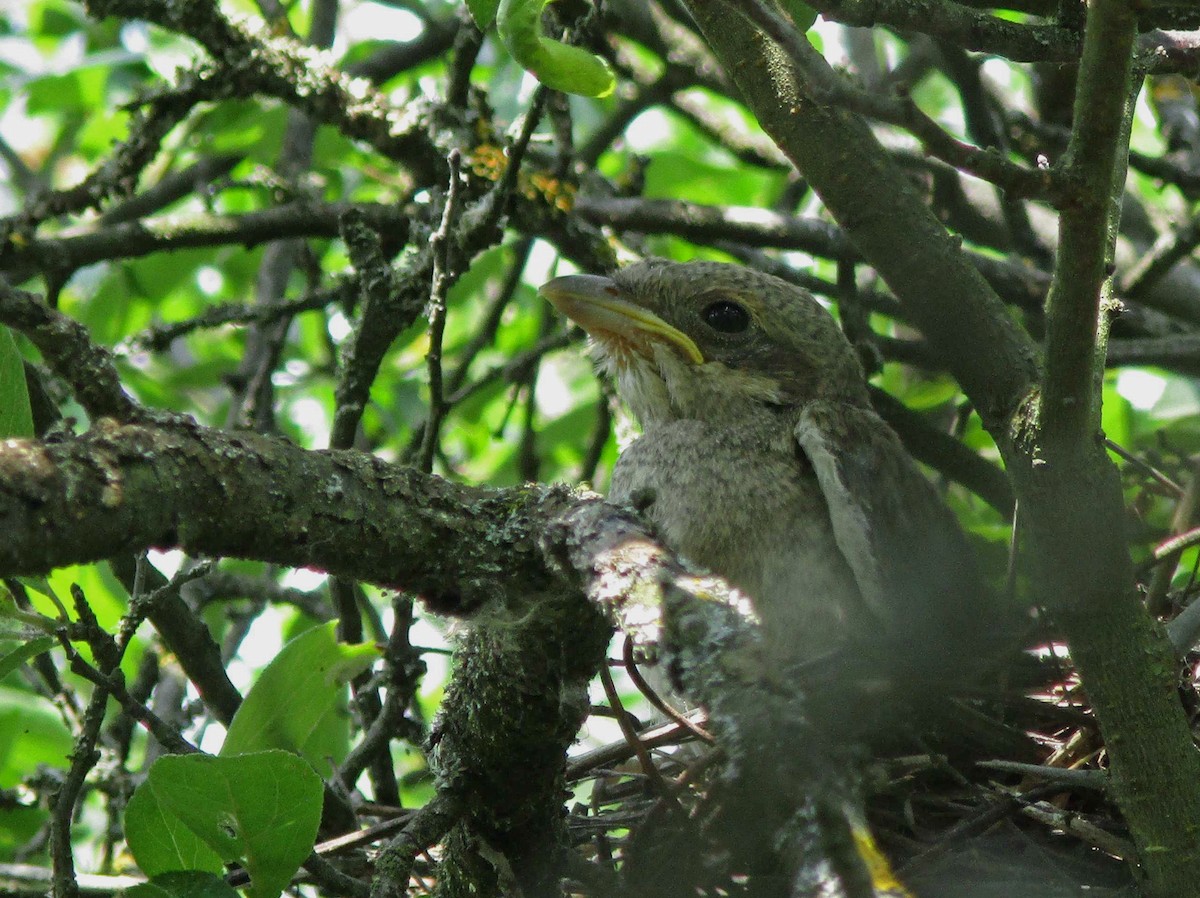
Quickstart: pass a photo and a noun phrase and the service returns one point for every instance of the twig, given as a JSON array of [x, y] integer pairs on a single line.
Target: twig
[[1169, 550], [828, 88], [423, 829], [625, 723], [1169, 249], [1080, 827], [1073, 779], [333, 880], [600, 436], [160, 336], [84, 757], [486, 333], [616, 752], [118, 174], [651, 694], [514, 369], [168, 736], [15, 877], [68, 348], [143, 238], [436, 311], [1145, 466], [959, 25], [1184, 630]]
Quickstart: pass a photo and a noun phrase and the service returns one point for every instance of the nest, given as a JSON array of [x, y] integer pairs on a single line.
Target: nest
[[1005, 797]]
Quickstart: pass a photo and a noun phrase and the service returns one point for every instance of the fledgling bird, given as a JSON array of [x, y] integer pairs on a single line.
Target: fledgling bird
[[766, 463]]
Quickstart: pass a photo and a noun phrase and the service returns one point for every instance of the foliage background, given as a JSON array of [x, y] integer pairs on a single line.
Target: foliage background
[[256, 244]]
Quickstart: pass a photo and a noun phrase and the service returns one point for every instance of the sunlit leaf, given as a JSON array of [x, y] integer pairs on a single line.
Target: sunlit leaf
[[557, 65], [298, 701]]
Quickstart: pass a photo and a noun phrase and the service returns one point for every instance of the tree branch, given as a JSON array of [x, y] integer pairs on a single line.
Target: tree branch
[[1087, 227], [958, 25], [119, 488]]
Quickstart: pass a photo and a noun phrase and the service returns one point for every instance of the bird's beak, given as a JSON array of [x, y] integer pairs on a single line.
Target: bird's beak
[[606, 312]]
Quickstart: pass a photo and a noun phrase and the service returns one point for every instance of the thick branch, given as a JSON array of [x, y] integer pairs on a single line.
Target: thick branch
[[67, 346], [120, 488], [125, 488], [1071, 496], [535, 551], [1070, 404]]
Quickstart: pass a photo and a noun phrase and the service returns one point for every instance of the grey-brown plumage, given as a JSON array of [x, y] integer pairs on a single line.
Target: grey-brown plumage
[[767, 463]]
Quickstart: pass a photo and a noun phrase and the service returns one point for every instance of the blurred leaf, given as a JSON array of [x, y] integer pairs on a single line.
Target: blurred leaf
[[188, 884], [56, 19], [54, 93], [1116, 417], [1179, 399], [246, 126], [19, 827], [16, 419], [105, 594], [483, 12], [31, 733], [682, 175], [11, 660], [802, 15]]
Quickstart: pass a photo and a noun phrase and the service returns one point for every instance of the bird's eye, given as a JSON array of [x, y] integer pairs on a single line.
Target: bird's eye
[[726, 316]]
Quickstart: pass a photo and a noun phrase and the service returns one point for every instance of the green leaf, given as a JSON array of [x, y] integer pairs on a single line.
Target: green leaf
[[22, 653], [31, 733], [572, 70], [185, 884], [19, 826], [1116, 415], [161, 842], [483, 12], [16, 419], [298, 702], [703, 177], [801, 14], [261, 809]]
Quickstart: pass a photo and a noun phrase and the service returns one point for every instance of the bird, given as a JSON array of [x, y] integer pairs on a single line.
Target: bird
[[762, 460]]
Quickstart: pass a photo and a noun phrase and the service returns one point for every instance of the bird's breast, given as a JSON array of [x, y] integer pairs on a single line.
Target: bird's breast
[[749, 508]]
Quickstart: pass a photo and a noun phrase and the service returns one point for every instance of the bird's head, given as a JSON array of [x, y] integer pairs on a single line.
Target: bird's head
[[708, 340]]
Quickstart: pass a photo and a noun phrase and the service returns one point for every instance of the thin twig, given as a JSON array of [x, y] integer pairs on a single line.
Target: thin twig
[[436, 311], [627, 729], [1145, 466], [486, 333], [652, 696], [1182, 538], [1072, 779]]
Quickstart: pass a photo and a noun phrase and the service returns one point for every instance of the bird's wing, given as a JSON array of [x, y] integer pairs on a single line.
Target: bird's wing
[[912, 562]]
